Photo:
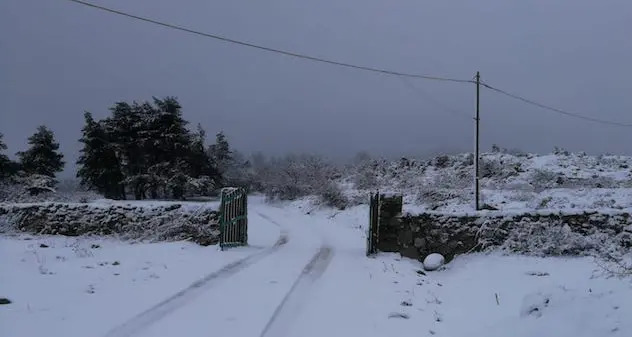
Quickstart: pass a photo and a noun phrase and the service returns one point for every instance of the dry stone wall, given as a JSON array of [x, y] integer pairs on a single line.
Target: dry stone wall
[[171, 222], [582, 233]]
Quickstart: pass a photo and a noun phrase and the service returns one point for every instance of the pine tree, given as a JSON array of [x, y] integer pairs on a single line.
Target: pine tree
[[6, 165], [99, 165], [168, 150], [199, 161], [42, 157], [126, 126], [222, 156]]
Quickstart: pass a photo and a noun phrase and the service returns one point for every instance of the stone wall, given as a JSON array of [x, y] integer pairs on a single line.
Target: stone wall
[[587, 233], [171, 222], [583, 233]]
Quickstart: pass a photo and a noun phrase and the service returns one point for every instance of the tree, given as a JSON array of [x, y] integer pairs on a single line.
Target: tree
[[166, 142], [126, 127], [158, 155], [201, 167], [239, 172], [42, 157], [99, 165], [221, 155], [7, 166], [297, 176], [149, 151]]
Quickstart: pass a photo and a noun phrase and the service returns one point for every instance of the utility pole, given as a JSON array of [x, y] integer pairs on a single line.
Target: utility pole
[[477, 190]]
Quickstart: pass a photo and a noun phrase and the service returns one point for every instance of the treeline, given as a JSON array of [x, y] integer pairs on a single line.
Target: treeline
[[142, 150], [146, 150], [37, 166]]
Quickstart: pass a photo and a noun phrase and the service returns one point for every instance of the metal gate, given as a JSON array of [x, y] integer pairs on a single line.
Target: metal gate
[[233, 224], [372, 232]]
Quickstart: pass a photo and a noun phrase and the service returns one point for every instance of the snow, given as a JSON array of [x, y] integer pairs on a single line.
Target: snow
[[501, 292], [517, 183], [189, 205], [433, 261], [86, 286], [315, 281]]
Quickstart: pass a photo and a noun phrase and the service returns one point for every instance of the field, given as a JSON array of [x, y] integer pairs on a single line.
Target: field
[[305, 272]]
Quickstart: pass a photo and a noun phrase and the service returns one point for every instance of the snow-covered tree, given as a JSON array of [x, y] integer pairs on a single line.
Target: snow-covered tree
[[202, 170], [222, 156], [166, 142], [99, 165], [7, 166], [296, 176], [42, 157]]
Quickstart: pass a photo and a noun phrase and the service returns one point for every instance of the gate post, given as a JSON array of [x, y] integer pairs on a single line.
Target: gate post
[[372, 236], [383, 231]]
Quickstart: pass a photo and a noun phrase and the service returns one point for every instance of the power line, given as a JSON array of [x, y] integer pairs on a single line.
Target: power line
[[556, 110], [349, 65], [269, 49]]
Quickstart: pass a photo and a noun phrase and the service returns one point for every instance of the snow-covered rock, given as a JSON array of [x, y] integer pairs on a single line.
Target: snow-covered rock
[[433, 261]]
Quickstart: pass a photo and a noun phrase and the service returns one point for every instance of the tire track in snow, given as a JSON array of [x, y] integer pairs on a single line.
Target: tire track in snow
[[184, 296], [291, 303]]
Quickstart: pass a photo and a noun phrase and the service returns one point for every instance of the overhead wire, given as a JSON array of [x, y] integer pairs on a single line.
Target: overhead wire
[[269, 49], [400, 74], [556, 110]]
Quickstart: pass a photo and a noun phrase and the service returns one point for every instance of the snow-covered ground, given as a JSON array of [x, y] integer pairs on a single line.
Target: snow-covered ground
[[304, 275], [520, 182]]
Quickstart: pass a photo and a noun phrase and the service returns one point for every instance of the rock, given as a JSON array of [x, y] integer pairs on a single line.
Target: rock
[[4, 301], [42, 245], [433, 261]]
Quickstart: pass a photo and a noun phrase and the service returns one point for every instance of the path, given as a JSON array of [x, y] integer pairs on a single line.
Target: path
[[316, 283], [250, 299]]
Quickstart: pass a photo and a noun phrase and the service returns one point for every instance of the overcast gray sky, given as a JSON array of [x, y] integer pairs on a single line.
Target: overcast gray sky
[[58, 59]]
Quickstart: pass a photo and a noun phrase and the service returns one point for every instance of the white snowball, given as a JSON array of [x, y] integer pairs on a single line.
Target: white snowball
[[433, 261]]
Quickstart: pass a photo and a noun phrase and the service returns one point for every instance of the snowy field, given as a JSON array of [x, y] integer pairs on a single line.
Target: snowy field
[[303, 275], [520, 182]]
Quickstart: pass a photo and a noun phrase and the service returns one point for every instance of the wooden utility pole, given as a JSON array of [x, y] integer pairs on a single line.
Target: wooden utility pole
[[477, 190]]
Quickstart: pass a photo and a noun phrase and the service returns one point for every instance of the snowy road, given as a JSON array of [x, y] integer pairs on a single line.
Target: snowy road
[[302, 276], [289, 292], [259, 300]]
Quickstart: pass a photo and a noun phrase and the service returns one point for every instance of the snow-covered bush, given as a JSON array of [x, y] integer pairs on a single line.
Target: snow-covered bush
[[543, 179], [498, 168], [365, 177], [441, 161], [294, 177], [435, 198], [331, 195]]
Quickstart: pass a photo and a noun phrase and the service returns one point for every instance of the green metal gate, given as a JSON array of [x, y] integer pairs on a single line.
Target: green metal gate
[[233, 224], [372, 232]]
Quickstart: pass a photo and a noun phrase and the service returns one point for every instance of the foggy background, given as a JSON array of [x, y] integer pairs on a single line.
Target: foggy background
[[59, 59]]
